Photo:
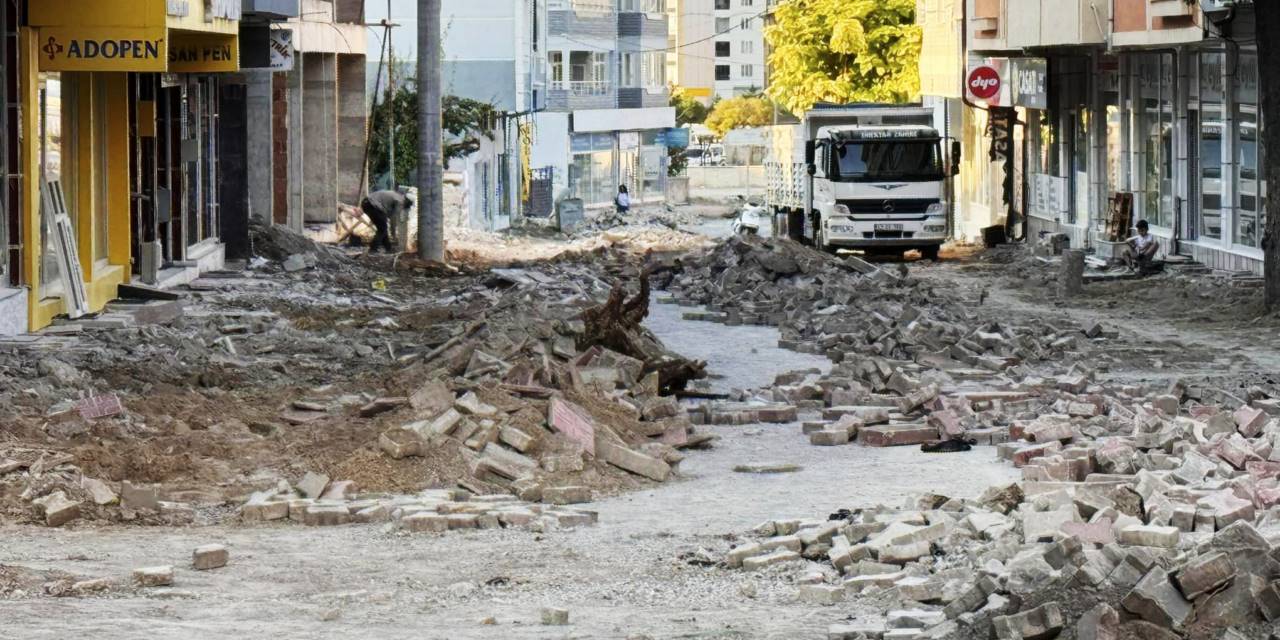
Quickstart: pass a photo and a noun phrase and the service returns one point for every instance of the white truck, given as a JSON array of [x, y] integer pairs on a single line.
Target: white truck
[[868, 177]]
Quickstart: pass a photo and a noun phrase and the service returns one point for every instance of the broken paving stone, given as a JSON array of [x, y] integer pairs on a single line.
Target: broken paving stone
[[209, 556], [552, 616], [777, 557], [1204, 574], [1156, 600], [313, 485], [1150, 536], [139, 498], [159, 576], [821, 594], [566, 495], [339, 490], [382, 405], [767, 467], [57, 509], [629, 460], [1041, 623], [470, 404], [98, 491]]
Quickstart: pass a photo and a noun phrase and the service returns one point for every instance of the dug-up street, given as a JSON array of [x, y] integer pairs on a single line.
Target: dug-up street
[[647, 430]]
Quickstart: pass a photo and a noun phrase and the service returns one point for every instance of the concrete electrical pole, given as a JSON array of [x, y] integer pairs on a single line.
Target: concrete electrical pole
[[430, 161]]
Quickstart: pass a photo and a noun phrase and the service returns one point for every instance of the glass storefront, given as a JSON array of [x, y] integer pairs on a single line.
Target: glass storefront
[[591, 176], [1153, 138], [1207, 121], [1250, 183]]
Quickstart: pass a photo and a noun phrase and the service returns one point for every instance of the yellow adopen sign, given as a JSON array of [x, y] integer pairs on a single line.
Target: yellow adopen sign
[[103, 49], [203, 53]]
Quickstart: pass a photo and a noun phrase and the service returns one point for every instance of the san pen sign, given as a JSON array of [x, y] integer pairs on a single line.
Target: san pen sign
[[204, 53], [142, 49]]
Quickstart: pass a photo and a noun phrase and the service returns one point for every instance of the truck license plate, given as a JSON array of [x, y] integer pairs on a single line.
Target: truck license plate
[[888, 227]]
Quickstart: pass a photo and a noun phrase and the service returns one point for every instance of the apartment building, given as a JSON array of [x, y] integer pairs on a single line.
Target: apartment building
[[583, 88], [691, 47], [1154, 98], [738, 48]]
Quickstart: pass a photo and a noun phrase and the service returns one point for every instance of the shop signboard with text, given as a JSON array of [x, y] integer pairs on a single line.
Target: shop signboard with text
[[141, 49], [204, 53], [1008, 82]]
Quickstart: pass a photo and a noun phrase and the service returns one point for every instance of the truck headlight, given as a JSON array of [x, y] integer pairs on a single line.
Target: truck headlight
[[935, 228], [935, 209], [841, 228], [840, 210]]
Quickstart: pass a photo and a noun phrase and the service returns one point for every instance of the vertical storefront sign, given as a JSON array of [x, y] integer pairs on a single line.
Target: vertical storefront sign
[[1030, 83], [280, 47]]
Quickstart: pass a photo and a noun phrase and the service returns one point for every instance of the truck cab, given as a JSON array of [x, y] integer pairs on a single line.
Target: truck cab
[[880, 189], [869, 177]]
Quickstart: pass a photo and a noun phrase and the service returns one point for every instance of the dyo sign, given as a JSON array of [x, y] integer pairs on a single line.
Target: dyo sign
[[984, 82]]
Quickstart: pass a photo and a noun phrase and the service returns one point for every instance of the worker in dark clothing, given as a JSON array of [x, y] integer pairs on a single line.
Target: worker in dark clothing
[[384, 209]]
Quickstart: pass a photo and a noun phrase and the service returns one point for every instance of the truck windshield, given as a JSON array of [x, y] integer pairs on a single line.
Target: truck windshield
[[890, 160]]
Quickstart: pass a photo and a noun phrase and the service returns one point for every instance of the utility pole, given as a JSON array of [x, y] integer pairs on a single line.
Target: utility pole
[[391, 103], [430, 162]]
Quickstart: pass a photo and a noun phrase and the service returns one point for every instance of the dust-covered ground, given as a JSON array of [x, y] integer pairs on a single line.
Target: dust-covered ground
[[638, 573]]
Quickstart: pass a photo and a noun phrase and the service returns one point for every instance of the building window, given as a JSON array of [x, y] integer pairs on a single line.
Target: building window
[[1251, 188], [655, 70], [746, 3], [747, 46], [722, 25], [556, 60], [745, 24], [591, 6], [722, 49], [647, 6], [748, 71], [722, 5], [722, 72], [630, 74]]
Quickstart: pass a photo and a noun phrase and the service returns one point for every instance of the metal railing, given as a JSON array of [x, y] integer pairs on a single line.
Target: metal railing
[[584, 87]]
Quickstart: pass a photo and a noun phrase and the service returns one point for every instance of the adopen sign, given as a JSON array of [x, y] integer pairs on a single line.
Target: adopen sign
[[103, 49]]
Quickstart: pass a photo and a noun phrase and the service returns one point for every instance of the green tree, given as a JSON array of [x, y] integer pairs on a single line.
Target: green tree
[[738, 112], [465, 122], [843, 51]]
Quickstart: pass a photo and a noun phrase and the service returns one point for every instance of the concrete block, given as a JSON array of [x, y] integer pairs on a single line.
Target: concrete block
[[904, 553], [326, 515], [566, 495], [313, 485], [1155, 600], [340, 490], [897, 435], [1150, 536], [552, 616], [209, 556], [829, 437], [1204, 574], [98, 491], [914, 618], [265, 510], [1041, 623], [822, 594], [633, 461], [159, 576], [140, 498], [57, 509], [1249, 421], [777, 557], [425, 523]]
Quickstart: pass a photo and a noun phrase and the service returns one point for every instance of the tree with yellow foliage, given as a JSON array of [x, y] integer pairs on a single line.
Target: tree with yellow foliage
[[737, 112], [843, 51]]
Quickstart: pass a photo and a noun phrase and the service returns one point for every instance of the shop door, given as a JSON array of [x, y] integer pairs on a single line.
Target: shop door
[[200, 159], [170, 201]]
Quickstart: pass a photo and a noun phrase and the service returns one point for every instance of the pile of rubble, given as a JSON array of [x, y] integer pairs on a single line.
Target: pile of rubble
[[318, 502]]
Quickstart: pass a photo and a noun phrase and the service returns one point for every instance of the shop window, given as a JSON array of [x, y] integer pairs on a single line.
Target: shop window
[[59, 140], [1155, 131], [1209, 144], [1251, 187]]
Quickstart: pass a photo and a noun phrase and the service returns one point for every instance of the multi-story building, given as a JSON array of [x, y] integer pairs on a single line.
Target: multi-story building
[[738, 46], [691, 47], [583, 89], [1154, 98]]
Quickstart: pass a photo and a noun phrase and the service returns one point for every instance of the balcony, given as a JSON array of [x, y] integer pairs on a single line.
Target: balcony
[[1036, 23], [583, 87], [1155, 22]]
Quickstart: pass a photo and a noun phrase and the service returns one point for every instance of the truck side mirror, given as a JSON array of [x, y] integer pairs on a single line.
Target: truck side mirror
[[810, 153], [955, 157]]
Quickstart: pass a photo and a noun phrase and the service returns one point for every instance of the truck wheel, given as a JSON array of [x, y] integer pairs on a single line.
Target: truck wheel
[[930, 253]]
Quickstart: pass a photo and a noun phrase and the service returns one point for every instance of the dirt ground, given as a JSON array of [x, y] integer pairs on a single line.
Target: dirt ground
[[634, 574], [618, 579]]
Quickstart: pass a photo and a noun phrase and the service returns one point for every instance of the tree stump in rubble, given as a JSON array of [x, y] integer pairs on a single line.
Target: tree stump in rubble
[[616, 325]]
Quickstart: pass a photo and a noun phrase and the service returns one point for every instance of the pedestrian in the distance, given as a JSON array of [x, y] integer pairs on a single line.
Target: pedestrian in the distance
[[384, 209], [623, 200]]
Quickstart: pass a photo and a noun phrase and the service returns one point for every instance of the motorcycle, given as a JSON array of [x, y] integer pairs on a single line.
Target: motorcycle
[[753, 219]]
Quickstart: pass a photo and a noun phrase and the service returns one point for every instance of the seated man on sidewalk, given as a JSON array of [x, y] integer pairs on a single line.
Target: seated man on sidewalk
[[1141, 253]]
